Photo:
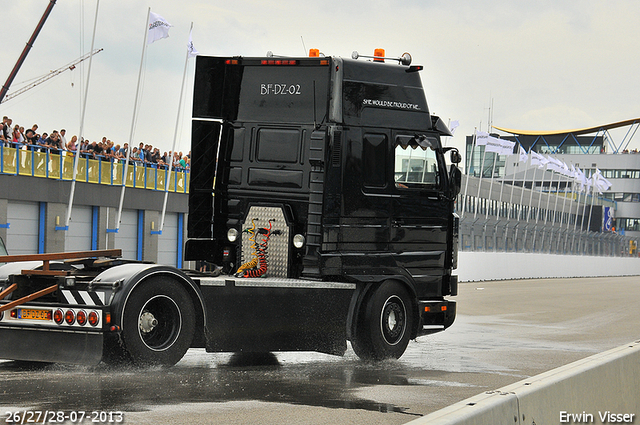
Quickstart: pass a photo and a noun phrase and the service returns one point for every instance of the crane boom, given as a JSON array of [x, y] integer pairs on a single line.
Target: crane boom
[[25, 51], [70, 66]]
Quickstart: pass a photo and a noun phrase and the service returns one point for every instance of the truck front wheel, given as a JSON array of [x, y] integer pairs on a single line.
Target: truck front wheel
[[158, 323], [383, 324]]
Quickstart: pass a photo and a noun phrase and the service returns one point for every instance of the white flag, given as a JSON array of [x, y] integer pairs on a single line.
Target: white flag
[[554, 164], [565, 171], [538, 160], [589, 182], [499, 146], [158, 28], [452, 127], [600, 182], [580, 178], [481, 138], [192, 50]]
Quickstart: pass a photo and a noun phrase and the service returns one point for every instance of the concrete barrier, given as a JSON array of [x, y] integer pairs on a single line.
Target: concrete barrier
[[601, 389], [477, 266]]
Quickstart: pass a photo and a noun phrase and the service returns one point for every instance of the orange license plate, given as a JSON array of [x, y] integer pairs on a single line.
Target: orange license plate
[[33, 314]]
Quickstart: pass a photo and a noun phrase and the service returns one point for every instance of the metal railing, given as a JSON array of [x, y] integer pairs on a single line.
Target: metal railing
[[495, 222], [30, 161]]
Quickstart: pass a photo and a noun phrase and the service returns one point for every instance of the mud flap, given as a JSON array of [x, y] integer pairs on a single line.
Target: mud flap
[[50, 346]]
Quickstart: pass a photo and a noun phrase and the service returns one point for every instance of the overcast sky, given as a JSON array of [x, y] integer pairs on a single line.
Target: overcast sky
[[544, 65]]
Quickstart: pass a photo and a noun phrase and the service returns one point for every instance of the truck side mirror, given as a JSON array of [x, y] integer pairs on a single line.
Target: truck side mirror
[[456, 158], [455, 178]]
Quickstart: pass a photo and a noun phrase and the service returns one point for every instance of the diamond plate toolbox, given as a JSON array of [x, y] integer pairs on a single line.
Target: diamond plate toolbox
[[277, 251]]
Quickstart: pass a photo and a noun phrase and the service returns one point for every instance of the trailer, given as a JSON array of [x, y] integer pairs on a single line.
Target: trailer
[[320, 201]]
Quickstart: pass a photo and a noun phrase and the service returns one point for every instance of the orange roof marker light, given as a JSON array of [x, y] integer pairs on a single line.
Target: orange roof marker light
[[378, 56], [314, 53]]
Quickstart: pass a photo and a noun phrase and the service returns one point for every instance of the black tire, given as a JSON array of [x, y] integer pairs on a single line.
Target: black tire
[[383, 326], [158, 323]]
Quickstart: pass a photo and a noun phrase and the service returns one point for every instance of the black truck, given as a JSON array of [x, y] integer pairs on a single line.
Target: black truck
[[320, 201]]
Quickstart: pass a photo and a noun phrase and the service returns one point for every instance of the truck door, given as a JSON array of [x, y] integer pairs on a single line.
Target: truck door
[[420, 211]]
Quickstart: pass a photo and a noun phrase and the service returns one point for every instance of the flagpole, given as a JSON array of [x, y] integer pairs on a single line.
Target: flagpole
[[524, 180], [475, 212], [582, 223], [546, 214], [583, 214], [555, 204], [538, 212], [573, 192], [466, 184], [575, 224], [493, 171], [555, 208], [133, 119], [533, 187], [540, 197], [513, 186], [501, 190], [513, 181], [175, 137], [593, 198], [564, 201], [76, 158]]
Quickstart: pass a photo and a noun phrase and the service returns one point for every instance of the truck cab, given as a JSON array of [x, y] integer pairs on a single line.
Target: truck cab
[[328, 169]]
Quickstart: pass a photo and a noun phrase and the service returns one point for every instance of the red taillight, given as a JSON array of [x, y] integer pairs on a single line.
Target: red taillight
[[93, 318], [70, 317], [81, 317], [14, 314], [58, 316]]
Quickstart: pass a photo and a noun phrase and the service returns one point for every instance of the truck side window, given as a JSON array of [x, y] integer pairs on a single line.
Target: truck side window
[[374, 160], [416, 163]]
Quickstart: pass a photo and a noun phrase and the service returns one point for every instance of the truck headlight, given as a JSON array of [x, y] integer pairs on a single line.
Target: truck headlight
[[298, 241], [232, 234]]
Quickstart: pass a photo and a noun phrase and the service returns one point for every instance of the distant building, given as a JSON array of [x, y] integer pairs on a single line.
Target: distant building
[[588, 152], [557, 144]]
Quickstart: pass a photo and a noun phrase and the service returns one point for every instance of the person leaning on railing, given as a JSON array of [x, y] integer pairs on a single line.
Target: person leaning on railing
[[53, 142], [18, 138], [42, 142], [31, 139], [71, 145]]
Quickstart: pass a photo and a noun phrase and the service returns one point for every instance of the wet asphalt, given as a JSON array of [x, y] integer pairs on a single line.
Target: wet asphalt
[[505, 331]]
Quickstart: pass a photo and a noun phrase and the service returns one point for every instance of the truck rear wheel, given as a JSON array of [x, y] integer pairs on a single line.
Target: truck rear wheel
[[158, 323], [383, 326]]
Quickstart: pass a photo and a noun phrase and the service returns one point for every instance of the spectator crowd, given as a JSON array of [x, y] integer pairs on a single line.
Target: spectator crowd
[[105, 150]]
